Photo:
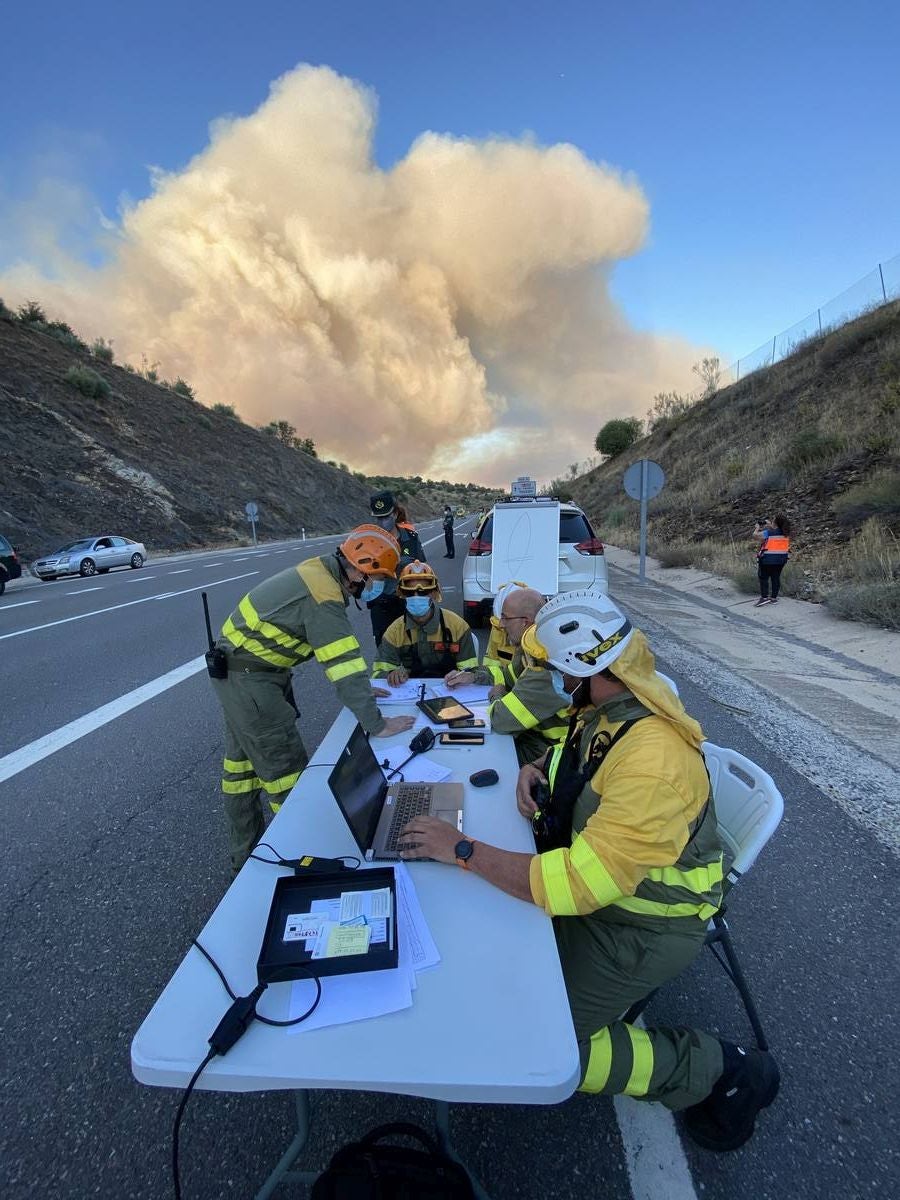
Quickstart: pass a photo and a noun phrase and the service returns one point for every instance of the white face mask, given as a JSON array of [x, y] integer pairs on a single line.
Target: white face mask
[[418, 606], [556, 678]]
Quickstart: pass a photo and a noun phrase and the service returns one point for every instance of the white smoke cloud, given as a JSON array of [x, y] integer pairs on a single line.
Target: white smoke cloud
[[449, 317]]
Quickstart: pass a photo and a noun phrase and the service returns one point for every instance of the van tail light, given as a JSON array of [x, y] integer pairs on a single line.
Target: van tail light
[[591, 546], [477, 547]]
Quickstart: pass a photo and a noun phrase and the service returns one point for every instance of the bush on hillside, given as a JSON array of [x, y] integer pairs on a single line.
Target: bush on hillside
[[31, 311], [227, 410], [876, 496], [103, 350], [88, 382], [6, 314], [811, 446], [617, 435], [675, 556], [874, 603], [183, 388]]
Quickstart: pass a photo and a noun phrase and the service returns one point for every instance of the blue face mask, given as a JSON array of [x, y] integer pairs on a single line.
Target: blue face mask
[[556, 678], [386, 522], [418, 606], [372, 590]]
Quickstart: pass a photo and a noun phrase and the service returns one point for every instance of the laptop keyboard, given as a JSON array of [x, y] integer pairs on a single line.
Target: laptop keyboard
[[412, 800]]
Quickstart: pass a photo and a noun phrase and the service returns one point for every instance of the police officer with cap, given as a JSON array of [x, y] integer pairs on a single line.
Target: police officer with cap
[[386, 606]]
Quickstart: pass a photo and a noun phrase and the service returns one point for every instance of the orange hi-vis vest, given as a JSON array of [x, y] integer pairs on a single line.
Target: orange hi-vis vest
[[776, 545]]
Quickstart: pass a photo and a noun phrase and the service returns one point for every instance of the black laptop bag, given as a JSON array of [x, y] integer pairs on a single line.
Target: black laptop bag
[[367, 1170]]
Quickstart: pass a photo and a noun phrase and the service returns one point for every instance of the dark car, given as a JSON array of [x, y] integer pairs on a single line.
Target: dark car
[[10, 567]]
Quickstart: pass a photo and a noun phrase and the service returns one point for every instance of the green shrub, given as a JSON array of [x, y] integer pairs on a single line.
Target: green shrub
[[62, 333], [615, 516], [227, 410], [874, 603], [31, 311], [88, 382], [810, 447], [876, 496], [183, 388], [616, 436], [6, 314], [103, 350], [203, 419]]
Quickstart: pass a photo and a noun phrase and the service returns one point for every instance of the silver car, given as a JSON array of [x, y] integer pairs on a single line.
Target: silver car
[[91, 556]]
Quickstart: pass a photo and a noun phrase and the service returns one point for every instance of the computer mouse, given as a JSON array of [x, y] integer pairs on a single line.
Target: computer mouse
[[484, 778]]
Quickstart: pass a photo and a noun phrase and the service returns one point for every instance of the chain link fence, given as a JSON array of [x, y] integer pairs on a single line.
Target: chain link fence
[[876, 288]]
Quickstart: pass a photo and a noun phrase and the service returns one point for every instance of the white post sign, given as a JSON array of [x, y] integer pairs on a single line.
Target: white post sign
[[252, 510], [643, 480]]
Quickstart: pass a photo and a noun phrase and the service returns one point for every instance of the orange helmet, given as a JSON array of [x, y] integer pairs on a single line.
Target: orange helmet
[[373, 551], [417, 577]]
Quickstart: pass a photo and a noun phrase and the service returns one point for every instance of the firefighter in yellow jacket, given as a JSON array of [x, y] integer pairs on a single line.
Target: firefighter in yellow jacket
[[296, 615], [428, 642], [631, 881]]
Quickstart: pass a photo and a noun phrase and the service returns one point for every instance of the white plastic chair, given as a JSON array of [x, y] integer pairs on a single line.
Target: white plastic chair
[[749, 808]]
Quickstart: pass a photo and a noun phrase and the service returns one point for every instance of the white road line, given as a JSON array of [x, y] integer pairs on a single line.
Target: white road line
[[81, 591], [28, 755], [183, 571], [128, 603], [657, 1167], [208, 565], [139, 578], [21, 604]]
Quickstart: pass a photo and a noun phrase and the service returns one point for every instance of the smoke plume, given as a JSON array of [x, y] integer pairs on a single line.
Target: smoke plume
[[448, 317]]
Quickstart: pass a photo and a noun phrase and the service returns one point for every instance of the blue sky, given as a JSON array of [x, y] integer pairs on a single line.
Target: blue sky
[[765, 135]]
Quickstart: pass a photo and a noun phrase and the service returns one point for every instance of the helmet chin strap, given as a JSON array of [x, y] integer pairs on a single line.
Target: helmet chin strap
[[353, 586]]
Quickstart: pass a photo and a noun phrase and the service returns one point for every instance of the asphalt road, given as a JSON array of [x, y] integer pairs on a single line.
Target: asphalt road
[[115, 855]]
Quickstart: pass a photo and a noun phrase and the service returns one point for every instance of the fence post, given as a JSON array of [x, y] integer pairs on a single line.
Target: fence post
[[819, 311], [737, 367], [773, 349], [881, 276]]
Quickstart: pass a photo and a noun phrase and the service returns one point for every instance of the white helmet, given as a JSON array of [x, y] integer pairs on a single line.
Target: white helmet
[[580, 633], [503, 594]]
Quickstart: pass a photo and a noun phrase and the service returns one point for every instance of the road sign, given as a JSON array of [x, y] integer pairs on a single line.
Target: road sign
[[644, 469], [252, 509], [523, 486], [643, 480]]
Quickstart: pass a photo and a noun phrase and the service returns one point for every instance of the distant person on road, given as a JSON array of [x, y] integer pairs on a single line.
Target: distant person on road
[[774, 551], [386, 607], [428, 642], [628, 865], [287, 620], [448, 532]]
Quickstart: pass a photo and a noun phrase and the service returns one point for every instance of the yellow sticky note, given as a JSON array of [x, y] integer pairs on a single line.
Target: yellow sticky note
[[347, 939]]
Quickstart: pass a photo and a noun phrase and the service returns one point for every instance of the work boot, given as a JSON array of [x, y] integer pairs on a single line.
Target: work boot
[[748, 1083]]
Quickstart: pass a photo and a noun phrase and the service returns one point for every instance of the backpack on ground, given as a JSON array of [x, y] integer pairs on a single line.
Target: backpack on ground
[[367, 1170]]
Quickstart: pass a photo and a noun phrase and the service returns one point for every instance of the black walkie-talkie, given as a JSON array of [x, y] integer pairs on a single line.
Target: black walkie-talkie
[[216, 658]]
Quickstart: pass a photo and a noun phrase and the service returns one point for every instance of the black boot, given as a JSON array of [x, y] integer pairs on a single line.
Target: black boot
[[748, 1083]]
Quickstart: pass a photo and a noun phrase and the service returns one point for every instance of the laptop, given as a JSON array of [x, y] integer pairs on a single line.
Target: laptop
[[376, 811]]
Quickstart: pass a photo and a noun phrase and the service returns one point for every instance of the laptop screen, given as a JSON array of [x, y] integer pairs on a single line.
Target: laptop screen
[[359, 787]]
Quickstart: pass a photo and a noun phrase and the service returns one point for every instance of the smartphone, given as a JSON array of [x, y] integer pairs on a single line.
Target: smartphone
[[461, 737], [467, 723]]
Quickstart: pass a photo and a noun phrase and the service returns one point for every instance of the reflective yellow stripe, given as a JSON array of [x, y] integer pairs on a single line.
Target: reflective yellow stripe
[[275, 806], [518, 710], [698, 879], [653, 908], [560, 901], [284, 784], [334, 649], [386, 667], [593, 873], [342, 670], [464, 664], [237, 766], [273, 632], [234, 787], [554, 733], [599, 1063], [240, 640], [642, 1062]]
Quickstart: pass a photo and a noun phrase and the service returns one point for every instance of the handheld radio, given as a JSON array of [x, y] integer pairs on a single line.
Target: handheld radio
[[216, 659]]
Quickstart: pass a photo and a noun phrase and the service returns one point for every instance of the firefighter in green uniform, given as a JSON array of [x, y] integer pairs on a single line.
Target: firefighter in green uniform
[[386, 606], [528, 701], [429, 642], [631, 881], [292, 617]]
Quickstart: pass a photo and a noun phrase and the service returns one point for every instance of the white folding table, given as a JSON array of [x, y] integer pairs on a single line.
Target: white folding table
[[489, 1024]]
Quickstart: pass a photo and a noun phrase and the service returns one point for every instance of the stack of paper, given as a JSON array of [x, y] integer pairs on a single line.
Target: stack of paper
[[411, 691], [418, 770], [368, 993]]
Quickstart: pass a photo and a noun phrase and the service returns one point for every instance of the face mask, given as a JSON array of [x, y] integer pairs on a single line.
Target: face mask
[[418, 606], [556, 678], [372, 590], [386, 522]]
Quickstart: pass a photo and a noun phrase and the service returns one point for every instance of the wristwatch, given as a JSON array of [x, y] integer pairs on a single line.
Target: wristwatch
[[464, 851]]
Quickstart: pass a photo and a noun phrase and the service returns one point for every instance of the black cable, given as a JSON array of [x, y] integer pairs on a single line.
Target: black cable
[[349, 861], [235, 1023], [396, 770]]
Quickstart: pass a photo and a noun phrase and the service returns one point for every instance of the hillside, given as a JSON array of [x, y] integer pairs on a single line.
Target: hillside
[[816, 437], [153, 464]]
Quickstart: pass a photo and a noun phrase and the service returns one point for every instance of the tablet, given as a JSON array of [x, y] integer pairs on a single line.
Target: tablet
[[442, 709]]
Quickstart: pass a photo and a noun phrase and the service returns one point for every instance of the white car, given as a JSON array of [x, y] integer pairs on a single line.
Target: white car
[[581, 561]]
